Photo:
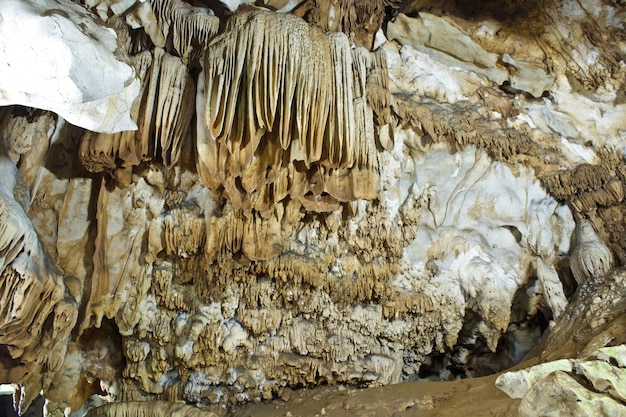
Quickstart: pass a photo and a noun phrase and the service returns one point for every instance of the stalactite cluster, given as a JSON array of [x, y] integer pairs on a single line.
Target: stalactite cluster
[[283, 112], [163, 117], [336, 193]]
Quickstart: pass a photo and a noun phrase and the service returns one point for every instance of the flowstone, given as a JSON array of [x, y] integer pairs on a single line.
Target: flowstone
[[208, 207]]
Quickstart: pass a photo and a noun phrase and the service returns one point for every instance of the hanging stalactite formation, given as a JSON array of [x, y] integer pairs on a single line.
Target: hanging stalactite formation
[[282, 111], [218, 202]]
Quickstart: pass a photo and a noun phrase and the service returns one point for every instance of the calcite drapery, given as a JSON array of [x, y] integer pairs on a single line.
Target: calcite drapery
[[38, 305], [282, 111], [360, 19], [163, 115], [189, 30], [222, 296]]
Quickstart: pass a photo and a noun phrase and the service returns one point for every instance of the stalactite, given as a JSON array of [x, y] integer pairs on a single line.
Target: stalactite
[[27, 273], [302, 125], [360, 19], [188, 29], [164, 114], [591, 258]]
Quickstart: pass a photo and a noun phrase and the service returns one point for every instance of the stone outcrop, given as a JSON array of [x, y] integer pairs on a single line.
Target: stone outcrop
[[44, 68], [217, 206], [590, 386]]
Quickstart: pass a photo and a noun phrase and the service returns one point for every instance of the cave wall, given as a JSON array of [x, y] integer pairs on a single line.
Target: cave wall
[[216, 205]]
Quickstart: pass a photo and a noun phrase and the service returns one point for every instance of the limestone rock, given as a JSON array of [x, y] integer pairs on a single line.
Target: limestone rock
[[439, 36], [590, 258], [45, 69], [581, 388], [297, 210]]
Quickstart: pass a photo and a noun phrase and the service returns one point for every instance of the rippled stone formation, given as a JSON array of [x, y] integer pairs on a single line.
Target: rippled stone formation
[[207, 205]]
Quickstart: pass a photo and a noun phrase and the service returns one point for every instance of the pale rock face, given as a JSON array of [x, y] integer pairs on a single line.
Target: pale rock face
[[295, 209], [52, 57], [447, 43], [574, 387]]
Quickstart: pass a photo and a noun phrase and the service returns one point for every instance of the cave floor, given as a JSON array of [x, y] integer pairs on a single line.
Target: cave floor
[[478, 396]]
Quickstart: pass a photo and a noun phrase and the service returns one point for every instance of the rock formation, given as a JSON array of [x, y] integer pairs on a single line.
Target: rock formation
[[590, 256], [209, 204]]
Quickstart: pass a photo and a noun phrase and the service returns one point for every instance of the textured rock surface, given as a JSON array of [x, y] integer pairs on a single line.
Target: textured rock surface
[[351, 194], [591, 385], [570, 387], [58, 57], [575, 342], [590, 256]]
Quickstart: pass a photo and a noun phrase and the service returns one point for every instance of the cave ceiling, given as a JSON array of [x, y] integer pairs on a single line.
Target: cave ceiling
[[206, 205]]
